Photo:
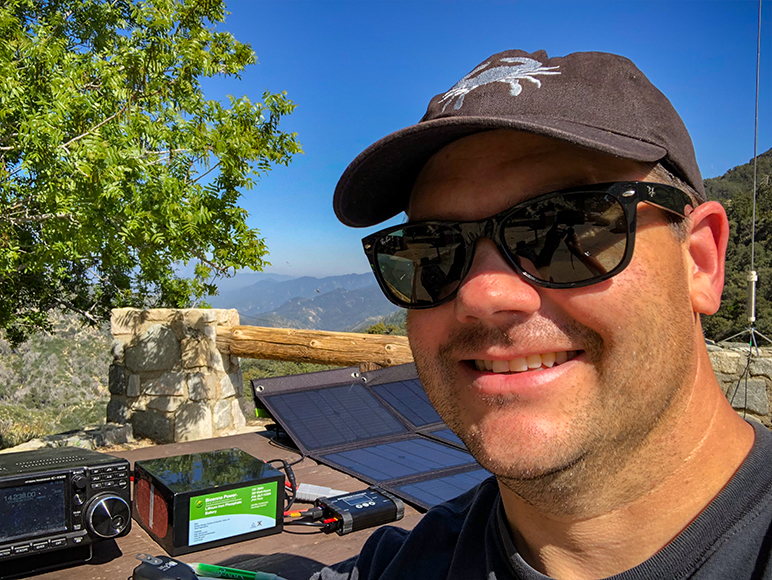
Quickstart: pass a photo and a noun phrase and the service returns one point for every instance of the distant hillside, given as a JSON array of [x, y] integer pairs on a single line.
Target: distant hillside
[[331, 303], [339, 309], [734, 190], [269, 294], [738, 179]]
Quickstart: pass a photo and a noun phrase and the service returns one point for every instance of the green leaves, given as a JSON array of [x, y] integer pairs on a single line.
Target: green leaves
[[114, 167]]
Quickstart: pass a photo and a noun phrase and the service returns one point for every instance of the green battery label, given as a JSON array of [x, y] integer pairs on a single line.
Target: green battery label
[[231, 513]]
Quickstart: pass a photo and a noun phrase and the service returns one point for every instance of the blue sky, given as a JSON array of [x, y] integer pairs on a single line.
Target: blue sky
[[360, 69]]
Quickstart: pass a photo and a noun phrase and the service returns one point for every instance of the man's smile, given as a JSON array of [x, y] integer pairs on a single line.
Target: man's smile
[[525, 363]]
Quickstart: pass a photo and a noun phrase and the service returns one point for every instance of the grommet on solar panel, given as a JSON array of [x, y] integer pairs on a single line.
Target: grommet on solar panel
[[355, 374], [259, 388]]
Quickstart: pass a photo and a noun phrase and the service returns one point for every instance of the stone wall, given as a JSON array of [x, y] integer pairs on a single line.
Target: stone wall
[[168, 379], [749, 393]]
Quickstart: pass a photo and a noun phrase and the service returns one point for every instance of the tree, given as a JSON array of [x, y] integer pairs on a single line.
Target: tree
[[114, 167]]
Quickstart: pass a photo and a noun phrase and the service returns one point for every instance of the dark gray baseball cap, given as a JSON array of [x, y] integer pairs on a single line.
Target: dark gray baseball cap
[[596, 100]]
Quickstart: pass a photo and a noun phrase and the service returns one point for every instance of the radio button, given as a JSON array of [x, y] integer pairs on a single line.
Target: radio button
[[40, 545], [58, 542], [77, 540], [96, 478], [5, 552], [21, 549], [77, 513], [109, 469], [77, 527]]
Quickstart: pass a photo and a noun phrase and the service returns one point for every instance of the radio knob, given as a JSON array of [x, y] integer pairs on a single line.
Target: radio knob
[[79, 482], [108, 515]]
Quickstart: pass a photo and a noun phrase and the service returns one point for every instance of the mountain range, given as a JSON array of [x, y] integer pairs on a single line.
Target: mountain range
[[330, 303]]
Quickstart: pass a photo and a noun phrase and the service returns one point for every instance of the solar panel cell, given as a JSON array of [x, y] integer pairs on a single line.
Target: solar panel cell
[[435, 491], [332, 416], [399, 459], [410, 400]]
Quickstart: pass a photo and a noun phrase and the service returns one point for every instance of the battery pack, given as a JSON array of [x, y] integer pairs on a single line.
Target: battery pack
[[203, 500], [361, 509]]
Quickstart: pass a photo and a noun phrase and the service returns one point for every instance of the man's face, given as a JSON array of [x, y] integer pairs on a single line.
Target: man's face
[[607, 362]]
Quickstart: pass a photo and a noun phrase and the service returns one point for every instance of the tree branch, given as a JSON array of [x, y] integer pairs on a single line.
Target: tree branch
[[97, 126], [191, 182]]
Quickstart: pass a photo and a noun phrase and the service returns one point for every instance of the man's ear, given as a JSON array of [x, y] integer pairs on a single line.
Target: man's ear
[[708, 237]]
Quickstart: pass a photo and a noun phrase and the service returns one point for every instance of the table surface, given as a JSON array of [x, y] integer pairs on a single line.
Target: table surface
[[294, 554]]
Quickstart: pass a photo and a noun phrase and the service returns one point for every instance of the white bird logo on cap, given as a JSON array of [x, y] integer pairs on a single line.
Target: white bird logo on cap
[[525, 68]]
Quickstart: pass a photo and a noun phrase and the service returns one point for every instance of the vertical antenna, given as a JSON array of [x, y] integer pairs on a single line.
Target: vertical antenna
[[752, 277]]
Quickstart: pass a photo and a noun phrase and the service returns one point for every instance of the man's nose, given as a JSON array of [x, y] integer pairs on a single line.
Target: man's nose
[[492, 290]]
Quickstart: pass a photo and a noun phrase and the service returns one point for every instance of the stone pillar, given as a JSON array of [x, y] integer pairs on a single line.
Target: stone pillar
[[168, 379]]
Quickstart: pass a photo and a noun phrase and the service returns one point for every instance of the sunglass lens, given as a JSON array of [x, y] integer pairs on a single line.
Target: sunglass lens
[[420, 264], [568, 238]]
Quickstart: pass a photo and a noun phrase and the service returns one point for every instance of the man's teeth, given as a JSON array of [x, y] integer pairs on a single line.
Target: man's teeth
[[525, 363]]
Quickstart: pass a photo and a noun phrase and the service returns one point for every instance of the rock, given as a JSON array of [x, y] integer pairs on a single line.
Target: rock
[[201, 387], [222, 415], [227, 389], [239, 421], [761, 366], [750, 395], [156, 350], [153, 426], [193, 421], [117, 380], [165, 404], [226, 317], [112, 434], [117, 349], [169, 384], [117, 410], [726, 362], [132, 389], [30, 445], [196, 351]]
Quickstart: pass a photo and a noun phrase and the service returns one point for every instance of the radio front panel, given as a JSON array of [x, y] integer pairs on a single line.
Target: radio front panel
[[52, 499]]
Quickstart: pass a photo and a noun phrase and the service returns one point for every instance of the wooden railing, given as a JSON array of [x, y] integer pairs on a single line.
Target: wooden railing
[[315, 346]]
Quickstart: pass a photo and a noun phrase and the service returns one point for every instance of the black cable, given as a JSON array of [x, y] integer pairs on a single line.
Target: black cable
[[291, 477], [273, 441], [302, 523]]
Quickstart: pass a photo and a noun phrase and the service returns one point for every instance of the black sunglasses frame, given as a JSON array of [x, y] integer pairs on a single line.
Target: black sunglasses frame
[[627, 193]]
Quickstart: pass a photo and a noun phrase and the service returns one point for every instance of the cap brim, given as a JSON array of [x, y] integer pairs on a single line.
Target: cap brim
[[377, 184]]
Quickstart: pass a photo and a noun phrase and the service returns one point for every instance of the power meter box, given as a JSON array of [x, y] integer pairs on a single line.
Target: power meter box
[[204, 500]]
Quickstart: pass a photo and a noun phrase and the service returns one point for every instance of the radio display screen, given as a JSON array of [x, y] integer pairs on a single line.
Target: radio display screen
[[34, 509]]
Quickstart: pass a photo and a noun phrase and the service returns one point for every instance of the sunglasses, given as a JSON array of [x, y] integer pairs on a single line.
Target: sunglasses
[[565, 239]]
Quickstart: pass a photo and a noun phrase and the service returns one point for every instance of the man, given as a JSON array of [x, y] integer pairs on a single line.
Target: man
[[558, 252]]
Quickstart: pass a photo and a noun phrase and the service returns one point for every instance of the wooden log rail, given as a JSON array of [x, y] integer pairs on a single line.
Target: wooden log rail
[[314, 346]]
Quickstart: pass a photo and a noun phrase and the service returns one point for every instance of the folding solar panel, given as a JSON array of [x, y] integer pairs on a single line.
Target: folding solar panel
[[433, 491], [332, 416], [378, 426], [398, 459]]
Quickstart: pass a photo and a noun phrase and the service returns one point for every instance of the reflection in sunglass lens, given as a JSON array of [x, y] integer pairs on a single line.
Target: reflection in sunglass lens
[[421, 264], [567, 238]]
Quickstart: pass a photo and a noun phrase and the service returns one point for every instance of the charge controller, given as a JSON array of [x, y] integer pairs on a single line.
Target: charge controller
[[360, 510]]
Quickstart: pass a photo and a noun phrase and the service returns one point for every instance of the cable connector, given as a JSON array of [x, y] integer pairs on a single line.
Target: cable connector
[[309, 493]]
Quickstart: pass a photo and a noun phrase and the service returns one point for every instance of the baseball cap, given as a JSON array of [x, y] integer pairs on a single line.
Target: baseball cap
[[595, 100]]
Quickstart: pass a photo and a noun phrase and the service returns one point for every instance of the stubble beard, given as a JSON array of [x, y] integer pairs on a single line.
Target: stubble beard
[[638, 379]]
